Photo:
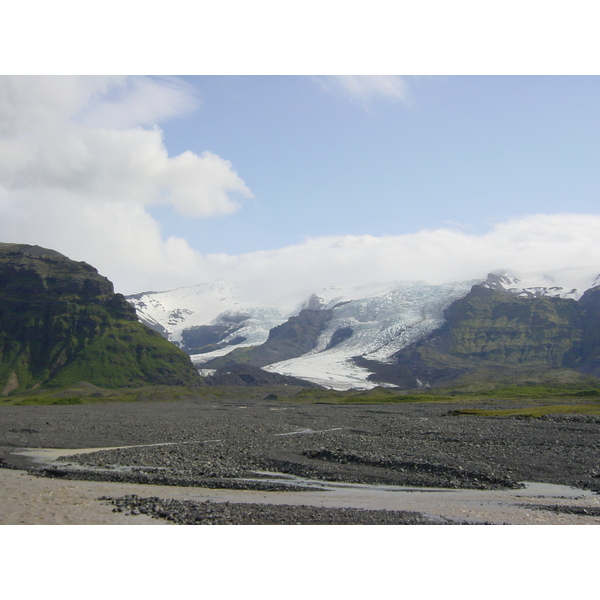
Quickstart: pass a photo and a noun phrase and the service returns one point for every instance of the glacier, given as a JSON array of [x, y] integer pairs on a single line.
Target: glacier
[[373, 321]]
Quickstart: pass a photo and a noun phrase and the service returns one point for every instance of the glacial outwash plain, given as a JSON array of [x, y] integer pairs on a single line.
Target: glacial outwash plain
[[476, 402]]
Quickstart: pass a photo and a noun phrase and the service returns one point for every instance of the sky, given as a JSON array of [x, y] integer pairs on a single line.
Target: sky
[[285, 183]]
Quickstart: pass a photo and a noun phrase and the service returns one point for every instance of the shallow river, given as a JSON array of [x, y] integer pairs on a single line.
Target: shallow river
[[508, 506]]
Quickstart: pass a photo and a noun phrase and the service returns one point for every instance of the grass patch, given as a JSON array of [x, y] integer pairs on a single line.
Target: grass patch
[[45, 401], [532, 392], [534, 411], [539, 396], [399, 399], [381, 395], [91, 394], [376, 395], [86, 393]]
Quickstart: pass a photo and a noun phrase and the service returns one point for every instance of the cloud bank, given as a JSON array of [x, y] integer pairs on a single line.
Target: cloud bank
[[563, 248]]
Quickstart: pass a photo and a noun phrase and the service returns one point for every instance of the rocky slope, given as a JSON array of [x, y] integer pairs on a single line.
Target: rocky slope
[[247, 375], [297, 336], [61, 322], [496, 329]]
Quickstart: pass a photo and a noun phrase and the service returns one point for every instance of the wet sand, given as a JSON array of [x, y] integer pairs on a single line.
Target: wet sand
[[32, 500]]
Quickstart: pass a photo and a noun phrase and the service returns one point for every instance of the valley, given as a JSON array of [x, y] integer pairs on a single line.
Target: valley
[[407, 334], [343, 406]]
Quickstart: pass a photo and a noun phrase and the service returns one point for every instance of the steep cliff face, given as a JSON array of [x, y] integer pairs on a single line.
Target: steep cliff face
[[61, 322], [590, 302], [496, 329], [503, 328]]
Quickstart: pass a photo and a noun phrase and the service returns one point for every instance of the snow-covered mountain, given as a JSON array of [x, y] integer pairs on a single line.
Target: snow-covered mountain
[[374, 321], [174, 312], [570, 284]]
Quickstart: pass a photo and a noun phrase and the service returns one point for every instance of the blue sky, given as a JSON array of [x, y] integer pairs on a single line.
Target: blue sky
[[467, 151], [286, 184]]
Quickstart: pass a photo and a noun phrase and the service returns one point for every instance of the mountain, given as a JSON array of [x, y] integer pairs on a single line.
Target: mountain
[[353, 337], [292, 339], [61, 323], [206, 317], [495, 333]]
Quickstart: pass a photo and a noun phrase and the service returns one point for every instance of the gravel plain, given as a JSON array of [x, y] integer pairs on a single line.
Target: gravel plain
[[230, 445]]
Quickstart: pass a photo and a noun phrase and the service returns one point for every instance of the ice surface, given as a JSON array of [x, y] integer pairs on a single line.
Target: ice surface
[[381, 326]]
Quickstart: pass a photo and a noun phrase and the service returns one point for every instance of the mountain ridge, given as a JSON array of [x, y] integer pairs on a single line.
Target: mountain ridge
[[371, 322]]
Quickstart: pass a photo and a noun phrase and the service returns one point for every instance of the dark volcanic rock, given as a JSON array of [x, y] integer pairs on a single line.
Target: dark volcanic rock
[[222, 444], [339, 336], [187, 512], [291, 339], [253, 376], [207, 338]]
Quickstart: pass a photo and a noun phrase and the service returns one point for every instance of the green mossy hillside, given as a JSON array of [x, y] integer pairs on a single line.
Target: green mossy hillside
[[128, 354], [497, 327], [61, 322], [499, 335]]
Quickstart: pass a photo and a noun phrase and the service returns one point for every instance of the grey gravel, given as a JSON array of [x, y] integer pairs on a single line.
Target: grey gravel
[[225, 444], [187, 512]]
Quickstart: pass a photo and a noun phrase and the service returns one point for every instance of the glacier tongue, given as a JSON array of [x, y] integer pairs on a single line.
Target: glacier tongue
[[331, 370], [379, 325]]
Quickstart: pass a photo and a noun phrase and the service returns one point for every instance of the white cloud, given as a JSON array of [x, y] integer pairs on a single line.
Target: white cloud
[[79, 167], [136, 101], [365, 88], [30, 103], [562, 246], [81, 159]]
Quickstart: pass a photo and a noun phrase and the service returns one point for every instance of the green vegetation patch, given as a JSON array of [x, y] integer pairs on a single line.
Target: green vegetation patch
[[125, 355], [534, 411], [376, 395], [396, 399], [532, 392], [381, 395], [85, 393]]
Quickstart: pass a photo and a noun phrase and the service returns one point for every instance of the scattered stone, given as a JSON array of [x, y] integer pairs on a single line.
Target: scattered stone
[[187, 512]]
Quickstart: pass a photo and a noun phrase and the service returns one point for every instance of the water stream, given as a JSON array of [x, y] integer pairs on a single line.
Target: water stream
[[513, 506]]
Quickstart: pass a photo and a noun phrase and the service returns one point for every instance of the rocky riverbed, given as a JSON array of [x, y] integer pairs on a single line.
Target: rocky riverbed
[[238, 446], [187, 512]]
